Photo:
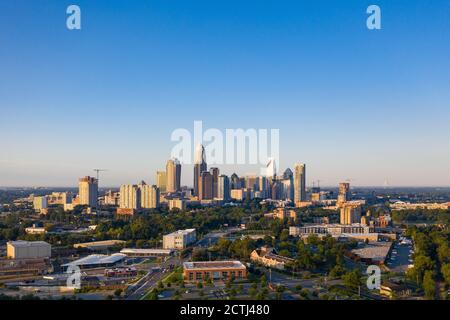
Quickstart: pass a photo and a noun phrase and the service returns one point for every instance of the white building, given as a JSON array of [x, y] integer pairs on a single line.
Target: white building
[[179, 239]]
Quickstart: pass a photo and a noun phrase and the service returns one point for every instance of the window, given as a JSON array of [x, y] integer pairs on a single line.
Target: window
[[240, 274], [198, 276], [224, 275], [191, 276]]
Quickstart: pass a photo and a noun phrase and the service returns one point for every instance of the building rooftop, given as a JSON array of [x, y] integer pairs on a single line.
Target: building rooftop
[[21, 243], [99, 259], [213, 265], [376, 251], [132, 250], [98, 243], [186, 231]]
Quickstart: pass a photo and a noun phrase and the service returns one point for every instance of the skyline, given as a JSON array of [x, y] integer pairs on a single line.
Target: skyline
[[350, 103]]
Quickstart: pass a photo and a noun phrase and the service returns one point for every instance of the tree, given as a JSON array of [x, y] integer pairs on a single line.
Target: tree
[[263, 281], [118, 292], [352, 279], [429, 285], [445, 270], [421, 265]]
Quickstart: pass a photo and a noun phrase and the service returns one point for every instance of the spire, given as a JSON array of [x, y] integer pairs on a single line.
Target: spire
[[200, 156]]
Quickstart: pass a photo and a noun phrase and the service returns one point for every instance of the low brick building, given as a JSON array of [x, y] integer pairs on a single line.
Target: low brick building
[[214, 270]]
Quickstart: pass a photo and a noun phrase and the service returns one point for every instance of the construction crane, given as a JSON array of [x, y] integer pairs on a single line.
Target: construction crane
[[98, 172]]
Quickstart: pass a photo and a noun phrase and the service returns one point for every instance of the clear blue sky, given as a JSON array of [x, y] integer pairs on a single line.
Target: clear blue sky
[[349, 102]]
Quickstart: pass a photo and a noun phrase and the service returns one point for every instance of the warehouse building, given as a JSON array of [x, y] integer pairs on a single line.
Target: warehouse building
[[96, 261], [28, 250]]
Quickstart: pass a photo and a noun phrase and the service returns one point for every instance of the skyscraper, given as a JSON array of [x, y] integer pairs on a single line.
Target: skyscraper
[[205, 186], [344, 193], [271, 169], [173, 174], [263, 187], [161, 180], [149, 196], [235, 181], [223, 189], [299, 182], [88, 191], [215, 175], [130, 197], [288, 183], [199, 166]]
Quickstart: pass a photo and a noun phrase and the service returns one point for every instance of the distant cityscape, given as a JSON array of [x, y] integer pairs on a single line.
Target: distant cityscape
[[244, 237]]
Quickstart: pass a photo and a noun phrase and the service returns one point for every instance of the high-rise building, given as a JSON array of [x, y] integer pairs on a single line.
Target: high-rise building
[[173, 173], [130, 197], [299, 182], [223, 188], [215, 175], [199, 167], [344, 193], [252, 182], [88, 191], [149, 196], [235, 181], [271, 169], [205, 186], [263, 187], [288, 184], [275, 190], [40, 203], [350, 214], [111, 198], [161, 180]]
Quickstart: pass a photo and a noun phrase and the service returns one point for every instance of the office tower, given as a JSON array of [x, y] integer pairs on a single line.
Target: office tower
[[223, 188], [344, 192], [199, 166], [205, 186], [252, 183], [350, 214], [275, 190], [88, 191], [215, 175], [288, 177], [149, 196], [235, 182], [271, 170], [173, 174], [39, 203], [286, 189], [130, 197], [161, 180], [299, 182], [263, 187]]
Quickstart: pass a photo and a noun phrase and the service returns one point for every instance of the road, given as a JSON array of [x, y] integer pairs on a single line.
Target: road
[[151, 279]]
